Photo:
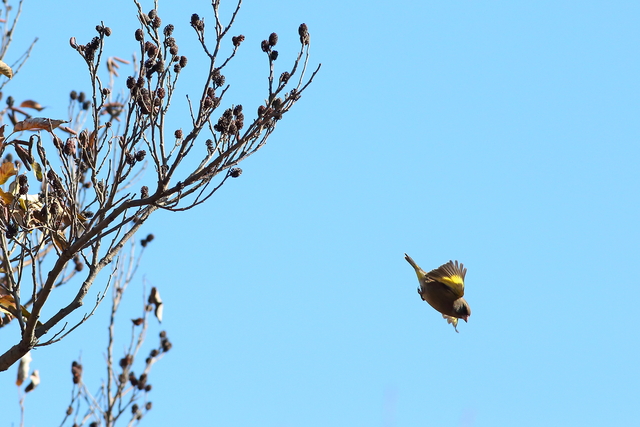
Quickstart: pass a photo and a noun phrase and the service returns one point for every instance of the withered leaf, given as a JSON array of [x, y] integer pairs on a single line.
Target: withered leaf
[[23, 368], [38, 123], [58, 239], [7, 170], [6, 198], [37, 170], [31, 104], [5, 70], [35, 381], [26, 158]]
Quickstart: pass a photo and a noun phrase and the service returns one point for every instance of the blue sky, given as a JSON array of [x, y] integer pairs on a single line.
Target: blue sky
[[501, 134]]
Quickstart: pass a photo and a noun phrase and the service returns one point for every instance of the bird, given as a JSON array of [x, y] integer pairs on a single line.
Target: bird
[[443, 289]]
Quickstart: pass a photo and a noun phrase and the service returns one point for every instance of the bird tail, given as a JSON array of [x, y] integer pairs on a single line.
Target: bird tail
[[412, 262]]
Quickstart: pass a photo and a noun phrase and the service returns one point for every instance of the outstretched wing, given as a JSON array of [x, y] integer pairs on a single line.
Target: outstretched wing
[[451, 275]]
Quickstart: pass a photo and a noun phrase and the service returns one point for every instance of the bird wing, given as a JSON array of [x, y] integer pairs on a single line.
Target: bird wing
[[451, 275]]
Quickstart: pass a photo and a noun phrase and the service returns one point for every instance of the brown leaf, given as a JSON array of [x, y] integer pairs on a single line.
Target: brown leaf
[[6, 198], [37, 170], [23, 368], [5, 70], [35, 380], [38, 123], [31, 104], [154, 298], [68, 130], [59, 240], [26, 158], [124, 61], [7, 170], [158, 312], [8, 305]]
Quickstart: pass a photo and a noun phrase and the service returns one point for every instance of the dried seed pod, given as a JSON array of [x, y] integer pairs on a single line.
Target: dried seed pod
[[236, 40], [76, 372], [284, 77], [273, 39], [303, 31]]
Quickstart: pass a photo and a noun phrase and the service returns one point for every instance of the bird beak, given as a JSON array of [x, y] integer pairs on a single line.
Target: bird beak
[[465, 319]]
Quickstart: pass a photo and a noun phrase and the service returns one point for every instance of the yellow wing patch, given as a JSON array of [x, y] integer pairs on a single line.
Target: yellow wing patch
[[452, 280]]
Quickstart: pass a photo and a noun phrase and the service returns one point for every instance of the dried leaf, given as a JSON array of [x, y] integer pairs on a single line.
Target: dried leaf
[[92, 140], [23, 368], [5, 70], [76, 371], [58, 239], [35, 380], [31, 104], [37, 170], [38, 123], [8, 305], [26, 158], [154, 298], [7, 170], [6, 198], [14, 187], [30, 202], [158, 312]]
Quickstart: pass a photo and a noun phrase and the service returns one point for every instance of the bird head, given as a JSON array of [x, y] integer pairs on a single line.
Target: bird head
[[461, 309]]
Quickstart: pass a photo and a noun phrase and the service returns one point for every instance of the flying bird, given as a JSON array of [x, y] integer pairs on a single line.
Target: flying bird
[[443, 289]]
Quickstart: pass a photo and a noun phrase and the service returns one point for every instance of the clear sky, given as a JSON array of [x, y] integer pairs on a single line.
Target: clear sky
[[502, 134]]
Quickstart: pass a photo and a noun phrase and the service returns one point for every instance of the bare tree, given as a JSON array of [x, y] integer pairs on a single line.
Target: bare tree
[[86, 206], [122, 397]]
